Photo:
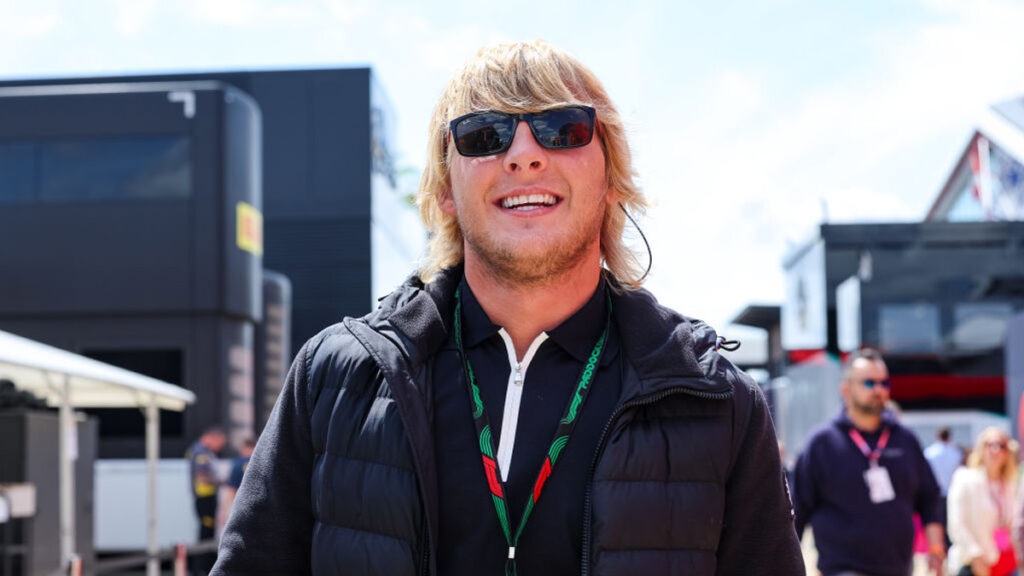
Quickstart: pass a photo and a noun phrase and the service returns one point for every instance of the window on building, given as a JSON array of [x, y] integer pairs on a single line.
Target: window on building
[[17, 173], [90, 169], [909, 328], [980, 326]]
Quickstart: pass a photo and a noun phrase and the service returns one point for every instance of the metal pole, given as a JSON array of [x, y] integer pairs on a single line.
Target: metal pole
[[152, 460], [8, 538], [67, 477]]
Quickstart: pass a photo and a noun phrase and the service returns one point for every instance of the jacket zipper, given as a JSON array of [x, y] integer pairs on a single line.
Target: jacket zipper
[[636, 402], [425, 554]]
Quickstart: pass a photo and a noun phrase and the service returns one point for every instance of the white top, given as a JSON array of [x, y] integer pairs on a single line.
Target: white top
[[944, 458], [974, 516]]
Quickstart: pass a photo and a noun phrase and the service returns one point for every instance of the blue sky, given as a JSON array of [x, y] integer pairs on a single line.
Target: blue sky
[[747, 119]]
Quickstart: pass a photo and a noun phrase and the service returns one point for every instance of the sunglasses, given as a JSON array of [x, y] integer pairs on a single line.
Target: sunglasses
[[868, 383], [491, 132], [997, 445]]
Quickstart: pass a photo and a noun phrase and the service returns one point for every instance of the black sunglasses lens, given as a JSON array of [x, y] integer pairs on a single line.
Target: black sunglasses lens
[[563, 128], [483, 134]]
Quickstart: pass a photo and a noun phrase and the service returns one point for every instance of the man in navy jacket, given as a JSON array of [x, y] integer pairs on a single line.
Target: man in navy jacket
[[861, 478], [520, 405]]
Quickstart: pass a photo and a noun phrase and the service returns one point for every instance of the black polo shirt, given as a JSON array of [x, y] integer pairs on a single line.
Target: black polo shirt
[[471, 541]]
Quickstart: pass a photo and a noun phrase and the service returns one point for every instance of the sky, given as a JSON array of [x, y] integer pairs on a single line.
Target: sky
[[750, 122]]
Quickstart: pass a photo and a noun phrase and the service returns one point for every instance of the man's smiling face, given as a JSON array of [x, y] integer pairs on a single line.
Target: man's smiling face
[[530, 213]]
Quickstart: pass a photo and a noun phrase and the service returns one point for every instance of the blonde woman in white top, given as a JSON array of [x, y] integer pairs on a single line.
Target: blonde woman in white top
[[981, 505]]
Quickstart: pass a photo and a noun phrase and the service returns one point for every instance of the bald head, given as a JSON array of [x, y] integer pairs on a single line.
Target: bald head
[[865, 387]]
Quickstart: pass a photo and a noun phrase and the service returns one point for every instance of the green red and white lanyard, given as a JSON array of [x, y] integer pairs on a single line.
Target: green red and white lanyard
[[561, 438], [872, 455]]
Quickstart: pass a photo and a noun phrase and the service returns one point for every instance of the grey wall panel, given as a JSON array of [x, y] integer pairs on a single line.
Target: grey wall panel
[[328, 263], [288, 117], [1014, 355], [341, 144], [95, 258]]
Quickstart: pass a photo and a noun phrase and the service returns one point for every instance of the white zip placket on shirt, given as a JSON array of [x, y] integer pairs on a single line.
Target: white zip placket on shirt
[[513, 398]]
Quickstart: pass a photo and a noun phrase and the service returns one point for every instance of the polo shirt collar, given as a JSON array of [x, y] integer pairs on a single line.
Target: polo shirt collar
[[576, 335], [476, 326]]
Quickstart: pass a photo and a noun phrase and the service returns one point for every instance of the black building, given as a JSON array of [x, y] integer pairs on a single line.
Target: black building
[[127, 275], [326, 145], [935, 297], [130, 225]]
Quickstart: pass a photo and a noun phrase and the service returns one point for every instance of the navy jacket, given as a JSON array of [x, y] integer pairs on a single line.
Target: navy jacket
[[686, 479], [850, 532]]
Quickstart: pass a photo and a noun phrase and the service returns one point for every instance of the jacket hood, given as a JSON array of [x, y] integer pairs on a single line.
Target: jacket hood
[[665, 347]]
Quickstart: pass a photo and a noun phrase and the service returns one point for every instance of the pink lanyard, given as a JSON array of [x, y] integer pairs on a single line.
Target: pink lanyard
[[872, 455], [997, 495]]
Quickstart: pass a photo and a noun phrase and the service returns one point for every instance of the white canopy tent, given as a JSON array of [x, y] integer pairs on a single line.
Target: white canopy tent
[[67, 381]]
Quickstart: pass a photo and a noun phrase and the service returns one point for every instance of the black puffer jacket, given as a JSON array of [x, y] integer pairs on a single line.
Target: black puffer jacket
[[687, 479]]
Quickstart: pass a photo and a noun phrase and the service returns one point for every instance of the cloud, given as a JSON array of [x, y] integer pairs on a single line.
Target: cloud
[[749, 174], [231, 13], [22, 25], [413, 54], [19, 20], [734, 96], [133, 17], [858, 204], [347, 11]]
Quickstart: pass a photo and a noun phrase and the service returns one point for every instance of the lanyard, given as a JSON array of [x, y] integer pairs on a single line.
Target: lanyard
[[872, 455], [561, 438], [997, 493]]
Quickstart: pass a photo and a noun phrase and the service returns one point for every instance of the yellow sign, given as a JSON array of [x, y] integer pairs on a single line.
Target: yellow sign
[[249, 228]]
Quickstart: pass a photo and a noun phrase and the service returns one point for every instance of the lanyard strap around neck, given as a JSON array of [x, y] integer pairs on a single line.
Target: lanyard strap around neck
[[872, 455], [561, 438], [997, 493]]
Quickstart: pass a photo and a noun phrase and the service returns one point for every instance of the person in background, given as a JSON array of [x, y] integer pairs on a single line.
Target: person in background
[[981, 506], [230, 488], [202, 457], [860, 479], [944, 457]]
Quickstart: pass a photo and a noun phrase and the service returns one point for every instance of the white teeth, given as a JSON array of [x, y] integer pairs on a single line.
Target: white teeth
[[520, 201]]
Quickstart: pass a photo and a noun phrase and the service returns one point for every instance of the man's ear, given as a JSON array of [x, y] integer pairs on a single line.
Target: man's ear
[[446, 203], [612, 197]]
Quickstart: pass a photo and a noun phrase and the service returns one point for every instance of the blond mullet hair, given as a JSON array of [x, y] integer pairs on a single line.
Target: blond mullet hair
[[526, 77]]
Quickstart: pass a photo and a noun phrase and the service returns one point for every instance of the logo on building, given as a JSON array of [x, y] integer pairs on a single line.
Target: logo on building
[[249, 227]]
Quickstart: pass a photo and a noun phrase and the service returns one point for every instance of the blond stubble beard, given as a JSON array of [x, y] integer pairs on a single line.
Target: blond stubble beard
[[507, 264]]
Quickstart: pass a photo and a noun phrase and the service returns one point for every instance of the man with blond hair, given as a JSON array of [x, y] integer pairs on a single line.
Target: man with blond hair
[[520, 405]]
